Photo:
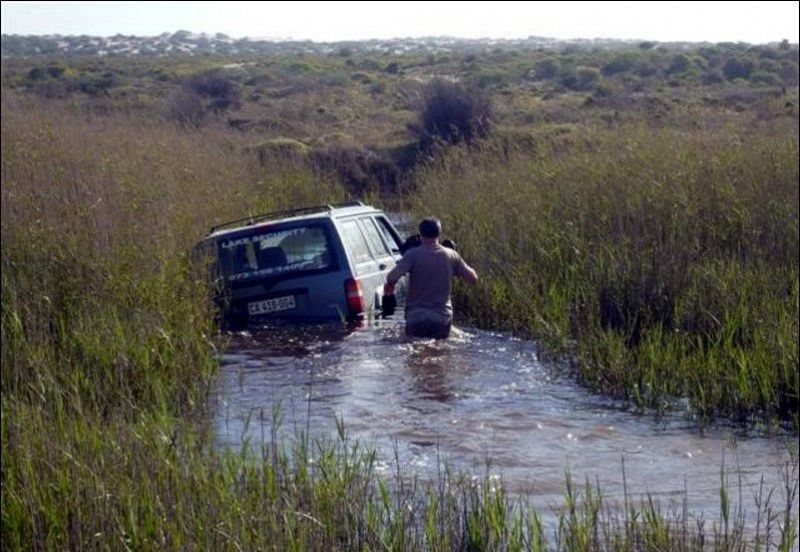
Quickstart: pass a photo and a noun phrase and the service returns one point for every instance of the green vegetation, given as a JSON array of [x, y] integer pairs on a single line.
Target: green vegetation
[[665, 261], [634, 208], [365, 99], [453, 114]]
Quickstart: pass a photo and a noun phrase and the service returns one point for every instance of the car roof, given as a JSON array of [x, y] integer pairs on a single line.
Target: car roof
[[327, 211]]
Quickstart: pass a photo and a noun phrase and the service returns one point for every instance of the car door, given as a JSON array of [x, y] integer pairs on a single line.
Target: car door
[[364, 264], [381, 252], [391, 237]]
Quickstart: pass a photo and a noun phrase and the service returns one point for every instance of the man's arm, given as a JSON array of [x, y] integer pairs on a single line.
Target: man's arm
[[402, 267], [469, 275], [398, 271], [465, 272]]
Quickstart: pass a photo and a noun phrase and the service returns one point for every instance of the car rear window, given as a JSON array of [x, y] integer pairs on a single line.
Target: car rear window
[[277, 251]]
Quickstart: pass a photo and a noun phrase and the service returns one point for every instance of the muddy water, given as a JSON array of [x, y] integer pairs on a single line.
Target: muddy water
[[475, 398]]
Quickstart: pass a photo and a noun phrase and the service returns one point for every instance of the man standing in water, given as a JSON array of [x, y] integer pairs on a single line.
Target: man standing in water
[[431, 268]]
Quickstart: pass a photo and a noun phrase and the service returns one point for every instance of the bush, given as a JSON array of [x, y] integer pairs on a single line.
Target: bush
[[186, 108], [765, 77], [453, 113], [582, 79], [37, 73], [738, 68], [789, 73], [335, 78], [490, 78], [605, 89], [360, 171], [360, 77], [646, 68], [620, 64], [769, 65], [679, 64], [547, 68], [287, 148], [55, 70], [93, 84], [222, 91], [712, 76]]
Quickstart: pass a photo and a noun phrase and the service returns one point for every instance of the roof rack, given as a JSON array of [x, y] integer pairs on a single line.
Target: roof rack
[[247, 221]]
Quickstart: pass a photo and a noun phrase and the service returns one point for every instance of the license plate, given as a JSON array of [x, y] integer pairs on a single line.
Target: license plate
[[271, 305]]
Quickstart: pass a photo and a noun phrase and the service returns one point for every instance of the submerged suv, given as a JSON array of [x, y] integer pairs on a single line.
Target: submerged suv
[[311, 264]]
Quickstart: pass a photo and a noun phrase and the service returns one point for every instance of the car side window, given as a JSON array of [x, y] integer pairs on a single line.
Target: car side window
[[355, 242], [388, 235], [373, 237]]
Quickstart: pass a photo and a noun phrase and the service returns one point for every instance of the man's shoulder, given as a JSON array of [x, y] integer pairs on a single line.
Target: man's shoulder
[[452, 254], [436, 251], [412, 253]]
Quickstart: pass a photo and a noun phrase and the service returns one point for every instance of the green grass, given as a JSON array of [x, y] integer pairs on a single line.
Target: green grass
[[664, 262], [99, 218], [108, 353], [79, 482], [371, 96]]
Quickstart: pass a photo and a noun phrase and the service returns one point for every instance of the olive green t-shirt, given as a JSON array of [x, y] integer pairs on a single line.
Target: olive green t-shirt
[[431, 269]]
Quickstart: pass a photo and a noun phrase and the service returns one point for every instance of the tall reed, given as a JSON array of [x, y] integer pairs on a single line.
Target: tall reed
[[665, 261], [107, 358]]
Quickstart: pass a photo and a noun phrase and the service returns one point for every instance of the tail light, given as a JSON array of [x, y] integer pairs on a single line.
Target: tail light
[[354, 296]]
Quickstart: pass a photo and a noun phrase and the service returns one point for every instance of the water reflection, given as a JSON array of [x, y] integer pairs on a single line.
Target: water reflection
[[433, 373]]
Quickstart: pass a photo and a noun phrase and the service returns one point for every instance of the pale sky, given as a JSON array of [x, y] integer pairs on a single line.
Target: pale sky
[[754, 22]]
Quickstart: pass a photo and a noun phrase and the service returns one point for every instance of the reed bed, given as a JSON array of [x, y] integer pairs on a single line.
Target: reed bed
[[108, 343], [663, 262]]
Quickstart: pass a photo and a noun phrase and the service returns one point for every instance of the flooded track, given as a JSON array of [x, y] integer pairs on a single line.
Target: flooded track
[[481, 397]]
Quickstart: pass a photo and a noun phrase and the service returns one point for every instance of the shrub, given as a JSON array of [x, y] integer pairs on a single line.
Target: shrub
[[186, 108], [679, 64], [646, 68], [620, 64], [359, 170], [92, 84], [222, 91], [547, 68], [769, 65], [489, 78], [36, 73], [738, 68], [360, 77], [605, 89], [453, 113], [369, 65], [335, 78], [712, 76], [789, 73], [286, 148], [764, 77], [378, 87], [711, 54], [584, 78]]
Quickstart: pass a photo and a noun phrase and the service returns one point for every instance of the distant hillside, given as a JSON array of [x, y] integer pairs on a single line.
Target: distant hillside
[[190, 44]]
